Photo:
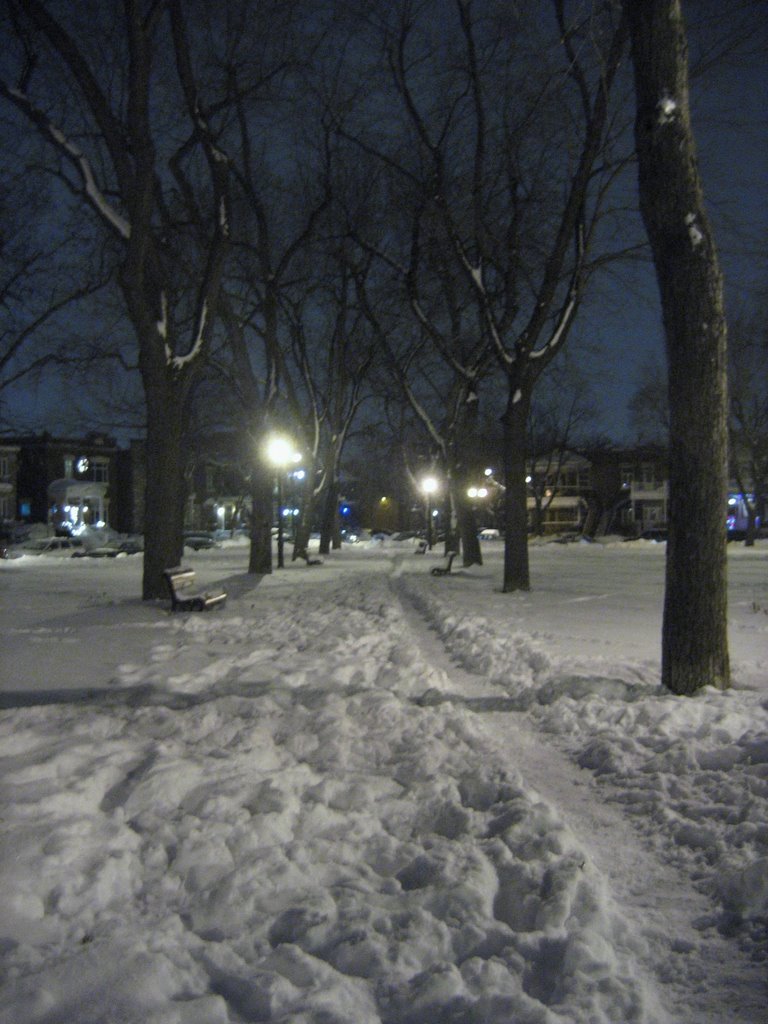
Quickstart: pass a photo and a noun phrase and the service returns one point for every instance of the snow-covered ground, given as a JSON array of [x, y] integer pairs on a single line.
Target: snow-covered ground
[[360, 793]]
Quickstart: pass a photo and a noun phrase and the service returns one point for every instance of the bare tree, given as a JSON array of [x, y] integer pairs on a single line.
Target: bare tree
[[694, 635], [560, 411], [499, 162], [748, 387], [157, 188], [437, 368], [277, 211], [649, 404], [43, 282]]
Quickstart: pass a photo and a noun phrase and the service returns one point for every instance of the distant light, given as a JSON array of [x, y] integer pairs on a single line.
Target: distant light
[[299, 474], [429, 485], [529, 479], [344, 510], [472, 492], [279, 451], [384, 500], [482, 492], [489, 472]]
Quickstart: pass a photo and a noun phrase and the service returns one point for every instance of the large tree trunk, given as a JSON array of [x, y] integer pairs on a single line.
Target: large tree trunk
[[515, 421], [164, 506], [694, 637], [330, 533], [471, 554], [260, 557]]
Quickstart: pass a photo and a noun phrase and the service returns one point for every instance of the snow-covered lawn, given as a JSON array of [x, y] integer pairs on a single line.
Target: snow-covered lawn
[[361, 794]]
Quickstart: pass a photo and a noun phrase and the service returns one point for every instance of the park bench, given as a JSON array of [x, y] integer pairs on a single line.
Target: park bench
[[180, 583], [304, 555], [444, 570]]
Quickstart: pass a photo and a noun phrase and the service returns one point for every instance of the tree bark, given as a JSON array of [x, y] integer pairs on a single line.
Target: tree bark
[[165, 464], [330, 534], [517, 574], [471, 553], [694, 634], [260, 555]]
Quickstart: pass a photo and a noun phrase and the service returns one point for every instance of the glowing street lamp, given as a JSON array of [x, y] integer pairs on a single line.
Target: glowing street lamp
[[280, 454], [429, 487]]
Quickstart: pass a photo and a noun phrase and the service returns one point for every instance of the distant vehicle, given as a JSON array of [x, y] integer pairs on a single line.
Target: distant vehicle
[[57, 547], [737, 516], [13, 533], [112, 549], [657, 534], [489, 534], [198, 539]]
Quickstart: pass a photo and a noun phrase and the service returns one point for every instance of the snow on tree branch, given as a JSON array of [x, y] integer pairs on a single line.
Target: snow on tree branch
[[74, 156]]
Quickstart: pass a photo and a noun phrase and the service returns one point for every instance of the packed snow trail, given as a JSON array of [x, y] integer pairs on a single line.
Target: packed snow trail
[[680, 949], [296, 841], [298, 810]]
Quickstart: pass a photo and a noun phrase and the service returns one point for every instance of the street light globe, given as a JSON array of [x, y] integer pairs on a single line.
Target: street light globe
[[279, 451], [429, 485]]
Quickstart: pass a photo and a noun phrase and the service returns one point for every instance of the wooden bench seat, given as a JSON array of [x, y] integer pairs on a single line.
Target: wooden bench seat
[[180, 583]]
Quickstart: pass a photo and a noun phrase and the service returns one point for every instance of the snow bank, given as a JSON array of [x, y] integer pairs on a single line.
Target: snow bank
[[693, 772], [268, 827]]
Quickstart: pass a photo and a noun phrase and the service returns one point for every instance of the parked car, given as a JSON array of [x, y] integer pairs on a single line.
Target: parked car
[[58, 547], [656, 534], [13, 533], [197, 539], [112, 549], [489, 534]]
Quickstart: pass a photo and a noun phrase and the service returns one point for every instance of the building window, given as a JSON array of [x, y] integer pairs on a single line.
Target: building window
[[100, 473], [5, 467]]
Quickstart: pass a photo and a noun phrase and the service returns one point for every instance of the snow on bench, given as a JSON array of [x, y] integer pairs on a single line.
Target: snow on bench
[[179, 581]]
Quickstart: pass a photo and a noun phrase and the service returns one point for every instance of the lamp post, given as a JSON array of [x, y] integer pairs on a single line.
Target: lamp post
[[429, 487], [280, 453]]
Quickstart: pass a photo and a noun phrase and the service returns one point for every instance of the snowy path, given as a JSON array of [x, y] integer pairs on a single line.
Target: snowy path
[[657, 899], [316, 807]]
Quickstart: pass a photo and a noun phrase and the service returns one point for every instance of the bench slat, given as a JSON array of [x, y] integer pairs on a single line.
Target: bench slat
[[180, 579]]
